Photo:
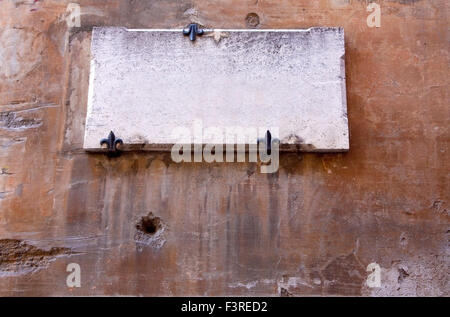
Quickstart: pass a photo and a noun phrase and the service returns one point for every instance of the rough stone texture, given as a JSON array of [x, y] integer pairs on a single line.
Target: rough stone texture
[[312, 228], [146, 84], [18, 258]]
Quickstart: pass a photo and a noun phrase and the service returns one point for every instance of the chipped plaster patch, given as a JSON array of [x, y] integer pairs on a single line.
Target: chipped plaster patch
[[11, 121], [18, 257]]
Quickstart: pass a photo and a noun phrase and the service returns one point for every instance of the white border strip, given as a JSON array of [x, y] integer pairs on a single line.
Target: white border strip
[[230, 30]]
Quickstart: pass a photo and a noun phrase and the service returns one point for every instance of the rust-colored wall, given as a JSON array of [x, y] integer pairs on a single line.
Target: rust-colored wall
[[226, 229]]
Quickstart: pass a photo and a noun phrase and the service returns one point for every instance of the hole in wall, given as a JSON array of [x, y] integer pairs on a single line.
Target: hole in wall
[[150, 232], [149, 224], [252, 20]]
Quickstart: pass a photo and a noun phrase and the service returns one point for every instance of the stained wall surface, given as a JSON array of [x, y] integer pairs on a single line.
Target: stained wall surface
[[141, 224]]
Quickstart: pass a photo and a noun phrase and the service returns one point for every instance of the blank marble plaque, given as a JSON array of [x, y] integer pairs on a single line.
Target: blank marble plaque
[[146, 83]]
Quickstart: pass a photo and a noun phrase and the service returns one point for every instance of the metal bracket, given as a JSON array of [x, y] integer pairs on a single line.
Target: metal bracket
[[112, 143], [268, 141], [193, 30]]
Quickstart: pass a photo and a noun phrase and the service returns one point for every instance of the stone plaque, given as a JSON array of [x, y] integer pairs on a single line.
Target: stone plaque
[[148, 85]]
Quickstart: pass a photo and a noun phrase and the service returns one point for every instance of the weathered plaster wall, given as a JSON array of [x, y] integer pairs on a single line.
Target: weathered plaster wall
[[226, 229]]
